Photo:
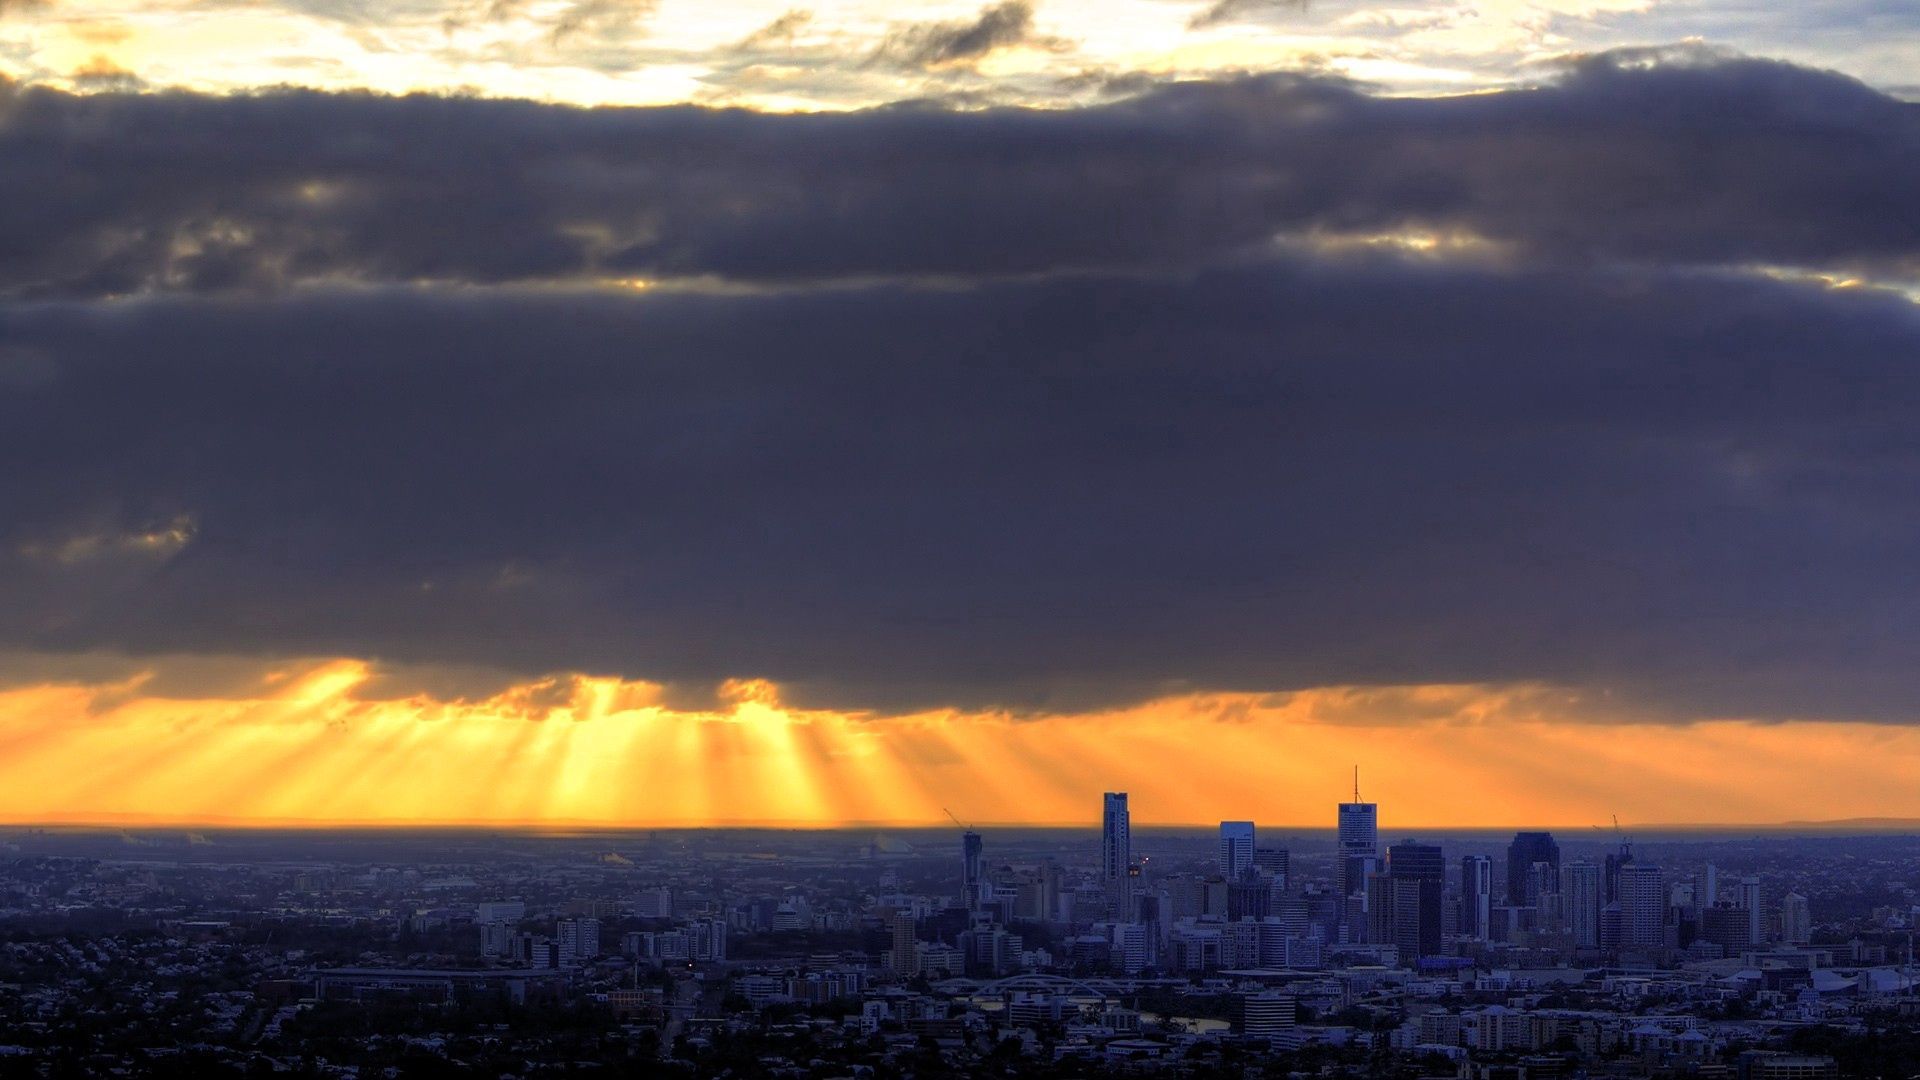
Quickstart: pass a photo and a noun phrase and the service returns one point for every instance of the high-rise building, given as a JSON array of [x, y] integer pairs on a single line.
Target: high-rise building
[[1749, 902], [1236, 849], [1476, 896], [579, 941], [1581, 902], [1643, 907], [1358, 840], [971, 869], [1415, 886], [1117, 874], [901, 957], [1528, 850], [1274, 863], [1796, 922], [1726, 926]]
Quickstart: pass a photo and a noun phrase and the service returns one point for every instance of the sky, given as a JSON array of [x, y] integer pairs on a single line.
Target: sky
[[659, 413]]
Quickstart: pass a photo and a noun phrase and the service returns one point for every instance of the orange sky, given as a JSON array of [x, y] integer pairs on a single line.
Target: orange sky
[[303, 745]]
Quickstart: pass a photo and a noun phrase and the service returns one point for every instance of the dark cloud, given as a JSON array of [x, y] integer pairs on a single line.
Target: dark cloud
[[1228, 11], [1034, 409], [1688, 489], [778, 33], [102, 72], [946, 44], [1678, 157], [602, 18]]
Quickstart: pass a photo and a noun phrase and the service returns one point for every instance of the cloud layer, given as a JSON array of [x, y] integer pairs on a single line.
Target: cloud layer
[[1679, 157], [1246, 386]]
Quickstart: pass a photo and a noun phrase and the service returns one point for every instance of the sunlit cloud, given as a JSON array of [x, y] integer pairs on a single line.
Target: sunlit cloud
[[768, 54], [303, 743], [154, 543]]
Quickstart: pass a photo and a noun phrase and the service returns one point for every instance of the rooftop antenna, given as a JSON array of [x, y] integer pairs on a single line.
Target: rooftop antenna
[[1356, 783]]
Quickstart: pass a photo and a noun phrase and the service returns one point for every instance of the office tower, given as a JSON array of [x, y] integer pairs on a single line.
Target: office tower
[[1529, 849], [1132, 947], [1236, 849], [1275, 863], [1749, 902], [1476, 896], [1249, 898], [1711, 894], [1415, 885], [710, 940], [1726, 926], [971, 876], [1581, 900], [901, 958], [1643, 907], [1116, 853], [1359, 841], [1796, 922]]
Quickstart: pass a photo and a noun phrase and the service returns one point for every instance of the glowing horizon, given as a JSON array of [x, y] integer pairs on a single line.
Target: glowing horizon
[[571, 750]]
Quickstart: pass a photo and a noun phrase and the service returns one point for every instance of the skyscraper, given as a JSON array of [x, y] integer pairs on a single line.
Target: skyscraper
[[1756, 917], [1359, 841], [1476, 895], [971, 869], [901, 956], [1796, 922], [1116, 853], [1273, 862], [1416, 883], [1643, 907], [1528, 850], [1581, 899], [1236, 849], [579, 941]]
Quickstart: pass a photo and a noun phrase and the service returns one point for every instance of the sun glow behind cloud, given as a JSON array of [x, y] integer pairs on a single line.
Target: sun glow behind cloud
[[306, 747]]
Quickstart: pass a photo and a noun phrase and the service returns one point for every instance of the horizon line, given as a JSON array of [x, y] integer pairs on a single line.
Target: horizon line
[[136, 821]]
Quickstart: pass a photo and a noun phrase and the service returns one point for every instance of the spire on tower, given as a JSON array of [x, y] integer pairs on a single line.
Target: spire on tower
[[1356, 783]]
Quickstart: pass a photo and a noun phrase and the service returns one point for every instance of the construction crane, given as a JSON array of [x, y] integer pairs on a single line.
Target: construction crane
[[956, 820], [1618, 832]]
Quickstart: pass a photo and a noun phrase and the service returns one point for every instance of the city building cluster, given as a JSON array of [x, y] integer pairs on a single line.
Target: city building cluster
[[1242, 951]]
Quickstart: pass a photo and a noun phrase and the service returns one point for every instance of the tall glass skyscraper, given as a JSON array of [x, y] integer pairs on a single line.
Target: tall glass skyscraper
[[1236, 849], [1359, 841], [1529, 849], [1116, 852], [1412, 891], [1582, 898], [971, 869], [1643, 907], [1476, 896]]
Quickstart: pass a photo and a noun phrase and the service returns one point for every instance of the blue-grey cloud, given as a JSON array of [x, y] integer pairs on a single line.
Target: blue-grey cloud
[[1691, 489], [1665, 157], [1010, 407]]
